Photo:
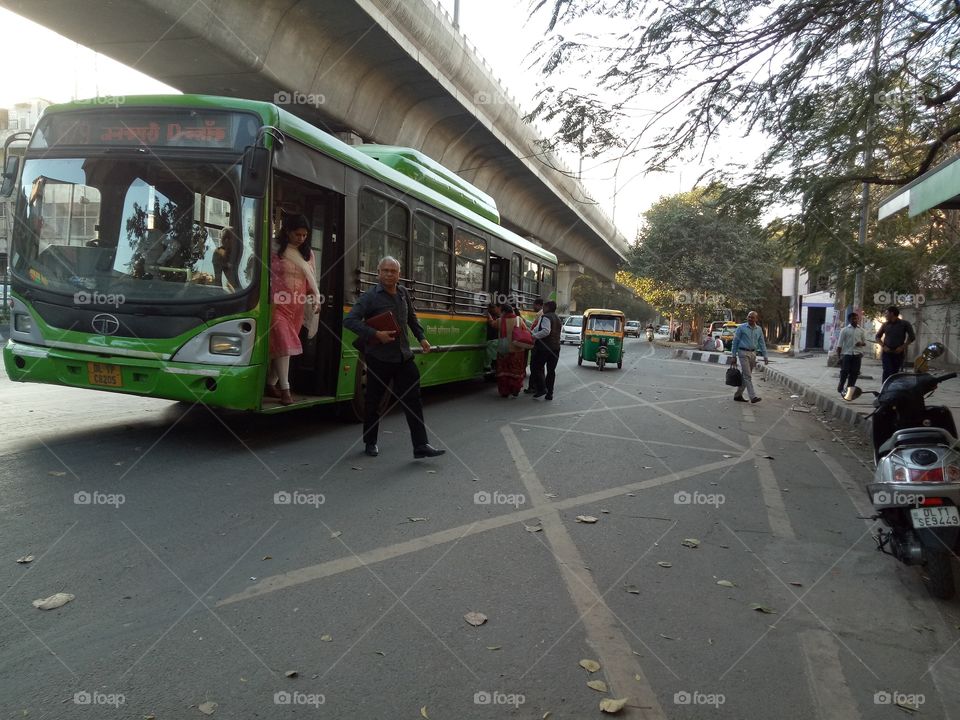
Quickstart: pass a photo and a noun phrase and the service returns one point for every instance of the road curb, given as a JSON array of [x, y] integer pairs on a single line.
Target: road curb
[[831, 405]]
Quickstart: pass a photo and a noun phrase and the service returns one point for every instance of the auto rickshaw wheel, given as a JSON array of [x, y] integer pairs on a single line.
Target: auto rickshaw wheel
[[620, 364], [579, 358]]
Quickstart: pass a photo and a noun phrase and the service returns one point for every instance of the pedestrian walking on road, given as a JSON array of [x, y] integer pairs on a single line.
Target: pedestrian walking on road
[[538, 309], [511, 363], [492, 325], [546, 351], [894, 336], [850, 346], [389, 358], [747, 342]]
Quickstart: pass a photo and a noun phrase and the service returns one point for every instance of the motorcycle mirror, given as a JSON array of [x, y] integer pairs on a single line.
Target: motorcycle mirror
[[852, 393], [933, 350]]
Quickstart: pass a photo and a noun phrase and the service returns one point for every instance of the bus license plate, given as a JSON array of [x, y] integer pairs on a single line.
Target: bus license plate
[[101, 374], [935, 517]]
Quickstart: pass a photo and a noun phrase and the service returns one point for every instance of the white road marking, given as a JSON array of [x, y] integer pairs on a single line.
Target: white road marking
[[772, 497], [603, 629], [831, 692]]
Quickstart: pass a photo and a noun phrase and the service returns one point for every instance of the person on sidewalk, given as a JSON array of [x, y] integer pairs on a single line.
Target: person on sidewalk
[[538, 309], [747, 342], [894, 336], [546, 351], [390, 358], [850, 346]]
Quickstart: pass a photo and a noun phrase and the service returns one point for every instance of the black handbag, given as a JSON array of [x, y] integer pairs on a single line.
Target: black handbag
[[734, 377]]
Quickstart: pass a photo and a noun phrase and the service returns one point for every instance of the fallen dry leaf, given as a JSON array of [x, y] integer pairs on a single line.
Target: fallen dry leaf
[[336, 534], [493, 647], [586, 519], [632, 589], [25, 559], [763, 609], [598, 685], [664, 564], [291, 673], [326, 638], [475, 618], [423, 712], [533, 528], [416, 519], [691, 543], [57, 473], [612, 705], [726, 583], [590, 665], [54, 601], [207, 708]]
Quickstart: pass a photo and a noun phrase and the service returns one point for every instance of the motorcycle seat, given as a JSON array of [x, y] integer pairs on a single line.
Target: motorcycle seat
[[917, 436]]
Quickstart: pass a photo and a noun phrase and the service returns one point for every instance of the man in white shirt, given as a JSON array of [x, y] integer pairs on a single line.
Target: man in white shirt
[[850, 346]]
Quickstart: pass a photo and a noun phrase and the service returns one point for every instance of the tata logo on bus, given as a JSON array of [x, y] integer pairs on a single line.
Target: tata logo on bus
[[105, 324]]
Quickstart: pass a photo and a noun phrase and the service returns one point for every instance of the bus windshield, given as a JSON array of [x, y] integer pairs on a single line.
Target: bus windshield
[[146, 228]]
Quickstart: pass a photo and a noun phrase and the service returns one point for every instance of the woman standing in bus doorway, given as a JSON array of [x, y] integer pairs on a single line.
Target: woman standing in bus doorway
[[292, 278], [511, 364]]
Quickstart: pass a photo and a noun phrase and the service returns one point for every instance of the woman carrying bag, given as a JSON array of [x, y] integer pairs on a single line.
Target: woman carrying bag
[[515, 340]]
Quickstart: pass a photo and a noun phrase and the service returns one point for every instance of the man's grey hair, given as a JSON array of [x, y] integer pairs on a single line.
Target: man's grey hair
[[388, 259]]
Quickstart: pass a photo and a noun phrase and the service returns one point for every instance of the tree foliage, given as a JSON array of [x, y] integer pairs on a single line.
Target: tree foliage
[[822, 80]]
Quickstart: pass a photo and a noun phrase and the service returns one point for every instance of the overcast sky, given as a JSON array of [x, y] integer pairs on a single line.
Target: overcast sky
[[498, 28]]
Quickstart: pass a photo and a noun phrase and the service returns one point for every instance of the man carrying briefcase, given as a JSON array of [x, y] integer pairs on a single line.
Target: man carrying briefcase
[[389, 357]]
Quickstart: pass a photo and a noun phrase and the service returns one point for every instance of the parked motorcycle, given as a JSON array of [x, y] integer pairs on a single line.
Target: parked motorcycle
[[916, 485]]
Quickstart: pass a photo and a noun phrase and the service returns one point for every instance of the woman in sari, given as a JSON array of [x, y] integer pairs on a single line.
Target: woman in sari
[[512, 365], [292, 278]]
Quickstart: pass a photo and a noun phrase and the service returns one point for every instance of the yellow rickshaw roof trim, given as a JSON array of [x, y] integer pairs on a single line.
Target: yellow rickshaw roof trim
[[601, 311]]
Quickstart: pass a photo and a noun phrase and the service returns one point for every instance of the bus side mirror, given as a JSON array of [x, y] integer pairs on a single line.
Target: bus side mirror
[[10, 169], [255, 171]]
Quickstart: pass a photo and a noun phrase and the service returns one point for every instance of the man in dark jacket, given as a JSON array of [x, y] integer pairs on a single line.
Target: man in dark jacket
[[546, 351], [894, 336], [388, 357]]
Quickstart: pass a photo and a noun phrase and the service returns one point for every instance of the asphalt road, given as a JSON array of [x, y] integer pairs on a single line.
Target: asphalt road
[[212, 553]]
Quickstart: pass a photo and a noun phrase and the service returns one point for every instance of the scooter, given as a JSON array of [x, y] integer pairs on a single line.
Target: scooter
[[649, 335], [916, 485]]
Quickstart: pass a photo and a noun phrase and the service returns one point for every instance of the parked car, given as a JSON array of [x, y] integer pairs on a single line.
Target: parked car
[[633, 328], [570, 331], [663, 330]]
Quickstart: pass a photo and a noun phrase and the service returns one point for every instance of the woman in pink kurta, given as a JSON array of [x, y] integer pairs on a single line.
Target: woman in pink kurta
[[292, 279]]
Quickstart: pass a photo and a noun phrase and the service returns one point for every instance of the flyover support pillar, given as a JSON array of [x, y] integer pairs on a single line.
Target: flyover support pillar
[[567, 273]]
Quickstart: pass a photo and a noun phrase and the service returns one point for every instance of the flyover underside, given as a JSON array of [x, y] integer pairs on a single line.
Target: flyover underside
[[391, 71]]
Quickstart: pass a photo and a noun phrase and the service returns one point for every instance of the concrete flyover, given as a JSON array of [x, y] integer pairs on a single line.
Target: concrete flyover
[[388, 71]]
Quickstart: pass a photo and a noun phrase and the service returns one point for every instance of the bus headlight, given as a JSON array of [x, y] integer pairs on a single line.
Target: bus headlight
[[23, 323], [226, 344]]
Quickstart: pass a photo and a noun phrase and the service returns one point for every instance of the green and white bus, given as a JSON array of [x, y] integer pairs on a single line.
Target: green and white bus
[[140, 252]]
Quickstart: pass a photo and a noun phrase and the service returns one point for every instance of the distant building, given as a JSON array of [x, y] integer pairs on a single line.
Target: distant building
[[19, 117]]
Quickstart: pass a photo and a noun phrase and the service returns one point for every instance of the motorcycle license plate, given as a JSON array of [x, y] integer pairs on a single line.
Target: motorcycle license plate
[[935, 517]]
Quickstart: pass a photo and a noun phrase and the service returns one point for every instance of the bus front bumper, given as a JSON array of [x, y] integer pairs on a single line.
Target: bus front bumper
[[235, 387]]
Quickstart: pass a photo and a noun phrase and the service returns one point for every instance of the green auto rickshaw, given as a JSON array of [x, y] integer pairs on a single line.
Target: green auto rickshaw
[[601, 338]]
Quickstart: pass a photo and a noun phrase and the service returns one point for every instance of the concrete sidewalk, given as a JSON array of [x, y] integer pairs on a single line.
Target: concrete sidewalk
[[816, 384]]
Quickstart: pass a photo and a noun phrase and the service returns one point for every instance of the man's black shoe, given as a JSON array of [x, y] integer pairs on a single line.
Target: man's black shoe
[[527, 391], [755, 400], [425, 451], [539, 393], [549, 396], [371, 449], [739, 399]]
